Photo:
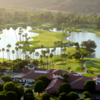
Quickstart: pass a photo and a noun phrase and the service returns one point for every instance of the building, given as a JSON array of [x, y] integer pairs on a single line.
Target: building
[[75, 80]]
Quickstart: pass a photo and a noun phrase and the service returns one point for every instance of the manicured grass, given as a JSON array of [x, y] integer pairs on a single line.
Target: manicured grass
[[74, 65], [96, 31], [89, 28], [1, 59], [46, 38], [94, 65], [89, 75]]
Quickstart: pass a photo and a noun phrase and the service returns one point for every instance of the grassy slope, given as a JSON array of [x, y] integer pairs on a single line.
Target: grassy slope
[[80, 6]]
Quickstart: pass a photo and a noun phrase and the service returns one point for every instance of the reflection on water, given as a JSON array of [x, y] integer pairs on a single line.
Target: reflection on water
[[84, 36], [12, 36]]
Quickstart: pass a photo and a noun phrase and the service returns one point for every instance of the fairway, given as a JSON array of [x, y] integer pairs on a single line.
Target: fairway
[[94, 65], [71, 66], [47, 38]]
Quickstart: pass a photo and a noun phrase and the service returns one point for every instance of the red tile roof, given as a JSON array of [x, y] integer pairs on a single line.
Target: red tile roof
[[32, 75], [98, 87], [59, 71], [79, 83], [98, 75], [54, 84], [72, 78], [25, 71]]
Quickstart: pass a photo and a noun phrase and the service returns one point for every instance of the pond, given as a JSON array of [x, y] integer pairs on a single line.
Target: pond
[[84, 36], [11, 36]]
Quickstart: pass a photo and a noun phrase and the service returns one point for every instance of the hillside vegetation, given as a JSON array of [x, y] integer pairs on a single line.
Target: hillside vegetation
[[68, 6]]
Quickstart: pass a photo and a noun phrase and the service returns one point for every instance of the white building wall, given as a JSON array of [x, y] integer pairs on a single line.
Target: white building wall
[[57, 76], [28, 80]]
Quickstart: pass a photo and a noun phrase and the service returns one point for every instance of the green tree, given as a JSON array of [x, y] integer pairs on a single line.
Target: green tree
[[19, 91], [73, 96], [86, 94], [39, 86], [9, 86], [6, 78], [13, 52], [65, 76], [3, 49], [63, 96], [89, 45], [64, 87], [1, 87], [29, 96], [11, 95], [29, 91], [9, 46], [90, 86], [2, 95], [45, 96], [43, 78]]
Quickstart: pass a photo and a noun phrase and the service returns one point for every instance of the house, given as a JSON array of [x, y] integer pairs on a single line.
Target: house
[[76, 81]]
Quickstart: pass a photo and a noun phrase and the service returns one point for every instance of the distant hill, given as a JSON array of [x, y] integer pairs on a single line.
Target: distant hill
[[80, 6]]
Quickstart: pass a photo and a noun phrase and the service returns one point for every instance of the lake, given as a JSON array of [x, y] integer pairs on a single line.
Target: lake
[[11, 36]]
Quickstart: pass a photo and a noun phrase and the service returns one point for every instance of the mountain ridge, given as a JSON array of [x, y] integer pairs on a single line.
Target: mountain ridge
[[67, 6]]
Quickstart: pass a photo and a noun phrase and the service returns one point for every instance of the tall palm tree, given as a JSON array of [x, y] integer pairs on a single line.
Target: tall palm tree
[[24, 52], [36, 54], [15, 33], [7, 50], [3, 49], [19, 36], [30, 52], [13, 52], [33, 53], [19, 47], [16, 48], [9, 46], [51, 56]]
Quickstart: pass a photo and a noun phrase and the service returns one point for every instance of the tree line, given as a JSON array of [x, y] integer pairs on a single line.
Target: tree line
[[34, 18]]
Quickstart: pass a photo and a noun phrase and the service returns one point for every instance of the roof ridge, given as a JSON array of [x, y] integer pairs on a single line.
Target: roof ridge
[[76, 80]]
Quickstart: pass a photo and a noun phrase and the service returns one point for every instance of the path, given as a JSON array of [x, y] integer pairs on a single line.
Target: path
[[84, 65]]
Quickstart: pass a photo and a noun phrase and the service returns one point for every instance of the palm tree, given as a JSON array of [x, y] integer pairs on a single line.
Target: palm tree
[[51, 56], [24, 52], [8, 46], [13, 52], [23, 37], [7, 50], [16, 48], [19, 36], [17, 44], [36, 54], [15, 33], [30, 52], [3, 49], [19, 47], [33, 53]]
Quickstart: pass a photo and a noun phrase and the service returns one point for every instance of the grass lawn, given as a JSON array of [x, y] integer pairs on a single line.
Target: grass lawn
[[94, 65], [46, 38], [89, 28], [1, 59], [89, 75], [70, 65]]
